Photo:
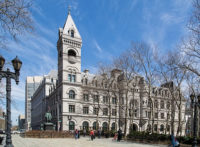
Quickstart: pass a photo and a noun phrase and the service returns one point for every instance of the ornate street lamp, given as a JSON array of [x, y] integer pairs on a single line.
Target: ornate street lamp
[[9, 75], [195, 101]]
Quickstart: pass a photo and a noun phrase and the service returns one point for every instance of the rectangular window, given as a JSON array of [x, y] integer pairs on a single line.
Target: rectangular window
[[156, 115], [135, 113], [130, 112], [146, 113], [149, 114], [72, 108], [168, 116], [85, 110], [105, 99], [105, 111], [114, 112], [86, 97], [95, 98], [156, 104], [162, 105], [114, 100], [71, 78], [95, 111], [122, 100]]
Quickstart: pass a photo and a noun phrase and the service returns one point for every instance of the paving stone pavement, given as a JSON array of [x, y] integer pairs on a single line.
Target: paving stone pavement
[[71, 142]]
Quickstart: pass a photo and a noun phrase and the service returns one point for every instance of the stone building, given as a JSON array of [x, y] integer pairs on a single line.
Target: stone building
[[81, 100], [21, 122], [38, 100], [32, 84]]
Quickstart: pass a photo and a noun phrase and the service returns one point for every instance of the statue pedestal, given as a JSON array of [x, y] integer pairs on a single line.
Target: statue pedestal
[[49, 126]]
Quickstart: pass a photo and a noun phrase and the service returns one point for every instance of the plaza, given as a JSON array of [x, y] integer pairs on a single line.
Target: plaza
[[71, 142]]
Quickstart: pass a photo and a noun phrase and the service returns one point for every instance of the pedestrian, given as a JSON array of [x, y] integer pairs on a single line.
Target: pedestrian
[[84, 132], [115, 137], [119, 135], [174, 142], [92, 134], [99, 133], [76, 134]]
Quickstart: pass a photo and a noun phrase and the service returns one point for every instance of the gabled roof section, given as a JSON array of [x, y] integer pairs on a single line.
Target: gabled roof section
[[70, 25]]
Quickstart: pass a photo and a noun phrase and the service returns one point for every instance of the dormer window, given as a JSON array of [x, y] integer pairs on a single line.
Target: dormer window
[[72, 33]]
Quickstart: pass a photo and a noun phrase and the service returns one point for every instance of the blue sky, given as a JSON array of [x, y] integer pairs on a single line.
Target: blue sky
[[107, 28]]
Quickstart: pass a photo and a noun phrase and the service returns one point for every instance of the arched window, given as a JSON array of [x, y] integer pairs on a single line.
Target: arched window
[[71, 94], [149, 103], [85, 125], [72, 33], [168, 128], [71, 53], [95, 125], [71, 125], [149, 128], [161, 128], [133, 127], [155, 127], [113, 127], [162, 104], [168, 104], [105, 126]]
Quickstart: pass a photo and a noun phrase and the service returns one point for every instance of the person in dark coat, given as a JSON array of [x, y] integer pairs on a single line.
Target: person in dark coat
[[99, 133], [119, 135], [78, 134]]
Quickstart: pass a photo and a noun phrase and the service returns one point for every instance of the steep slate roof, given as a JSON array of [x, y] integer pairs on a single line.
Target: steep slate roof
[[70, 25]]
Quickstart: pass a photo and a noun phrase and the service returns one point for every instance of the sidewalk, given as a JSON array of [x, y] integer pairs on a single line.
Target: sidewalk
[[70, 142]]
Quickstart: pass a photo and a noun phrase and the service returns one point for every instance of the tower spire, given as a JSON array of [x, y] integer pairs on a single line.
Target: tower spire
[[69, 9]]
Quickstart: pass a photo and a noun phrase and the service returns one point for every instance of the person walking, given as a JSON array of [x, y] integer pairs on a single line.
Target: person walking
[[92, 134], [119, 135], [99, 133], [76, 134], [84, 132], [174, 142]]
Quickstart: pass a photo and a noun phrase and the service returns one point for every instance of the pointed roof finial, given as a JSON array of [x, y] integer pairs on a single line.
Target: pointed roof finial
[[69, 9]]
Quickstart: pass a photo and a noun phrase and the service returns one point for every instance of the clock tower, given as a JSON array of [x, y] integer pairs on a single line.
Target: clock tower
[[69, 69]]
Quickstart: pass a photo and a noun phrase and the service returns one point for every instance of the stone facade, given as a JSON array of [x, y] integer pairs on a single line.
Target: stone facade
[[81, 100], [38, 100], [32, 84]]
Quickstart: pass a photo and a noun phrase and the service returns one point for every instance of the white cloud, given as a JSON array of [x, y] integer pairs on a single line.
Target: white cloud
[[97, 46]]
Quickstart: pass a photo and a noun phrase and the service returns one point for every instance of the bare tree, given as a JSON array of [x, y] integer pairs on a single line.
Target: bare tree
[[143, 55], [172, 77], [191, 46], [129, 69], [15, 19], [109, 84]]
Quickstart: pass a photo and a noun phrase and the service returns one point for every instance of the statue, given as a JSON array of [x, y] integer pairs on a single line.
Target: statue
[[48, 117], [48, 125]]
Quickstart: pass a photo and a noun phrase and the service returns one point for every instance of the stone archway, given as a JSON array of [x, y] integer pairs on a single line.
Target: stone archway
[[133, 127]]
